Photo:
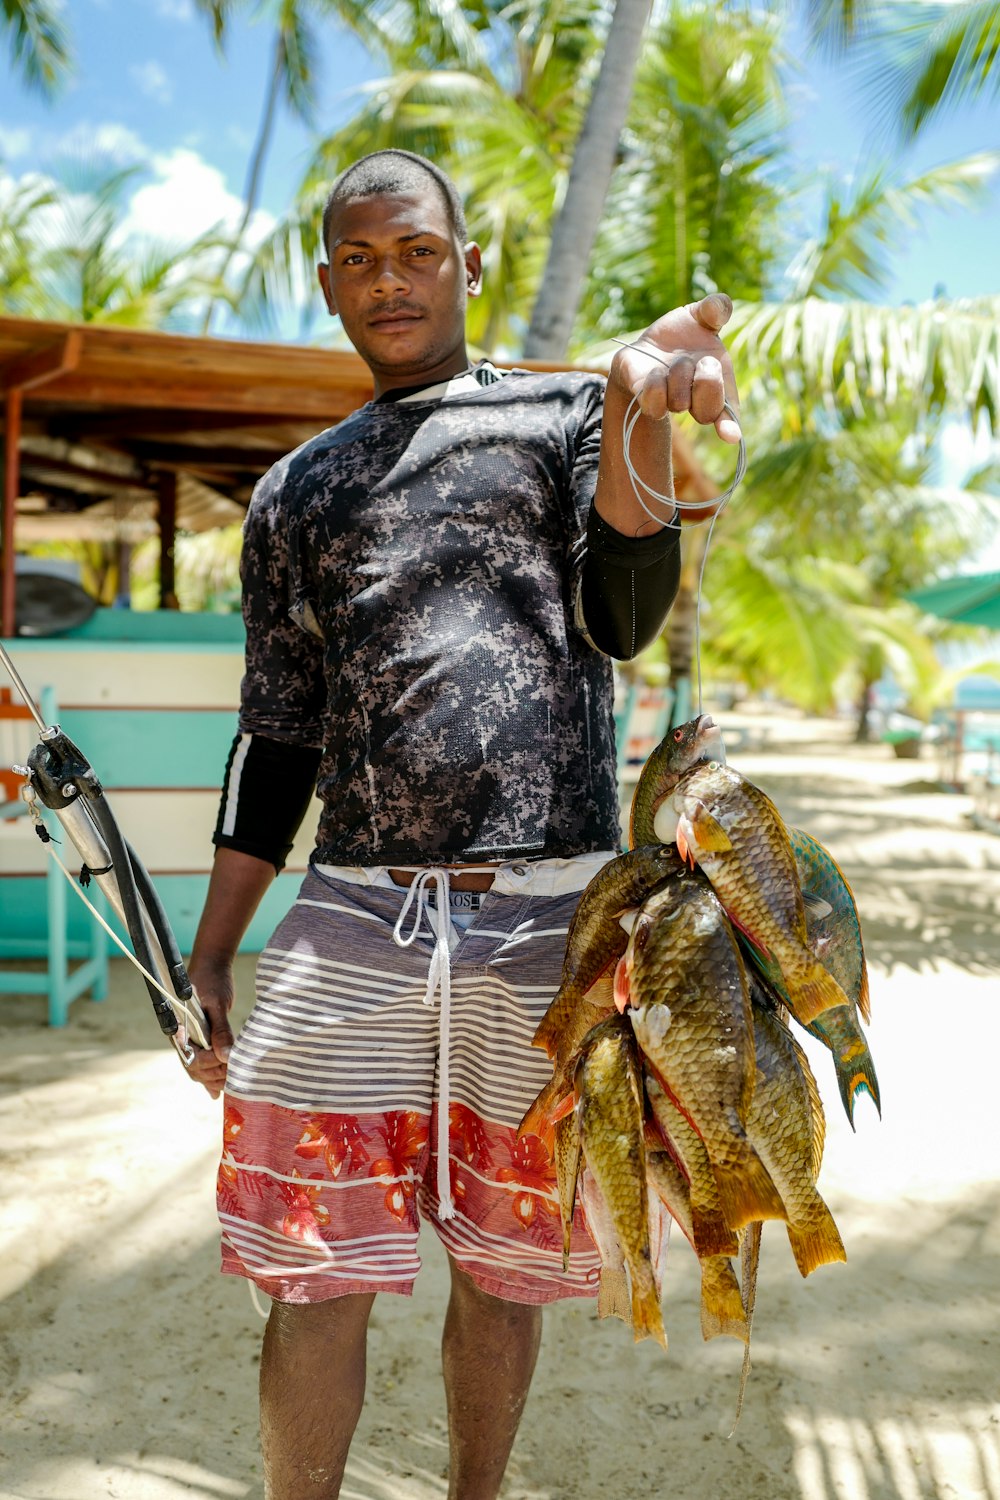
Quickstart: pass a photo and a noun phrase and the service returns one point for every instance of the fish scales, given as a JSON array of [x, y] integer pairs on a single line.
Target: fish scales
[[722, 1310], [786, 1126], [610, 1113], [691, 1016], [734, 833], [710, 1234], [835, 936]]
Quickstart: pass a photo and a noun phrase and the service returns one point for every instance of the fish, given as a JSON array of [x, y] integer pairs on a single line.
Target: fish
[[690, 1011], [596, 939], [567, 1156], [613, 1296], [787, 1126], [610, 1111], [734, 833], [556, 1097], [710, 1234], [834, 933], [722, 1310], [681, 747]]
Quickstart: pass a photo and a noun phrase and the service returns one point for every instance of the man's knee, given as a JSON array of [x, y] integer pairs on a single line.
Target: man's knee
[[337, 1319]]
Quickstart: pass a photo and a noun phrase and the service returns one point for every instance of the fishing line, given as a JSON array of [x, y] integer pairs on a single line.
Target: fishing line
[[632, 414]]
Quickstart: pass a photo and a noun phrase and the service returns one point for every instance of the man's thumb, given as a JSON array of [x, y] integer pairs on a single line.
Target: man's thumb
[[222, 1041], [713, 312]]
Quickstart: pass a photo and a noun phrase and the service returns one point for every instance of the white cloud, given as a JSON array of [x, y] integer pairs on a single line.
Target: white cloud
[[152, 81], [188, 198], [111, 142], [14, 142], [175, 10]]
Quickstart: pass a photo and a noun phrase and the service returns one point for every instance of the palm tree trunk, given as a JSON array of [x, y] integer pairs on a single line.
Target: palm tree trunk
[[579, 217], [256, 168], [682, 626]]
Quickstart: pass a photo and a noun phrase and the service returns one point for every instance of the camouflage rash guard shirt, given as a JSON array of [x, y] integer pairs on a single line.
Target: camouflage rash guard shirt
[[409, 584]]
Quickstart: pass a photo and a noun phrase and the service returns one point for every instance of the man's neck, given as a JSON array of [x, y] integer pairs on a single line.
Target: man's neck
[[385, 381]]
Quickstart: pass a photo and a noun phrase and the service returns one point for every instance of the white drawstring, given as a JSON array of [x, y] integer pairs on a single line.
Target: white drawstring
[[438, 978]]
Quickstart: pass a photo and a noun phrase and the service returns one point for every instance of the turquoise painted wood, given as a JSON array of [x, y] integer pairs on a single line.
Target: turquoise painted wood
[[58, 980], [153, 747]]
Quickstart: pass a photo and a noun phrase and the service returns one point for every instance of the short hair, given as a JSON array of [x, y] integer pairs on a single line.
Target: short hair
[[393, 171]]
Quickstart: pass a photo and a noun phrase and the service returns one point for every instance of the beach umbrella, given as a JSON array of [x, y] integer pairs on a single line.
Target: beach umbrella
[[973, 599]]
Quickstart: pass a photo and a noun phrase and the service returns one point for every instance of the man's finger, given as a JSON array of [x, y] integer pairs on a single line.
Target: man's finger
[[712, 312], [707, 390]]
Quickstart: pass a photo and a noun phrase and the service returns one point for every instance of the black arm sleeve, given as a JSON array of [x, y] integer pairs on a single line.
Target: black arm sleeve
[[267, 788], [627, 587]]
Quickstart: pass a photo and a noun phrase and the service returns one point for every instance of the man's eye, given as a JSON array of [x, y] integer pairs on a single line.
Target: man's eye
[[353, 260]]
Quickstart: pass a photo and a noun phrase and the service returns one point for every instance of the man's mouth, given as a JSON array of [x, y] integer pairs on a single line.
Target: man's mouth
[[389, 318]]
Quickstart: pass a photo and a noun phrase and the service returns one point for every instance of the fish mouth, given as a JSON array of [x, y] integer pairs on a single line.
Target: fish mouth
[[710, 739]]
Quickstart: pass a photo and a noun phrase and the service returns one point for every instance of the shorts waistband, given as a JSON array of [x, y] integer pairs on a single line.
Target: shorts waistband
[[523, 877]]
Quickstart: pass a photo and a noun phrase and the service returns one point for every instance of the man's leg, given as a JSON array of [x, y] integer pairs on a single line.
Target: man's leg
[[312, 1387], [489, 1352]]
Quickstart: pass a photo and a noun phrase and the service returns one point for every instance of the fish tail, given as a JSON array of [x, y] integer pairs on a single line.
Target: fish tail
[[712, 1235], [612, 1295], [722, 1310], [812, 991], [746, 1191], [647, 1319], [817, 1243], [856, 1075]]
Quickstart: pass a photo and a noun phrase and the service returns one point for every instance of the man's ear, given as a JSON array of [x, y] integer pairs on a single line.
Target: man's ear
[[473, 268], [323, 272]]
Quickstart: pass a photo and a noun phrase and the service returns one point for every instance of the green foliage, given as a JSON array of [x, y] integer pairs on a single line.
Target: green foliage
[[39, 41]]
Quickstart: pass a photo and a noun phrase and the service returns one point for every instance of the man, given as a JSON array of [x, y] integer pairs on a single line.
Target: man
[[432, 590]]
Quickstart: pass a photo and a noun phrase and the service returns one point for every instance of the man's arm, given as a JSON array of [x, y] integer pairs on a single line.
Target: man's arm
[[235, 891], [687, 369]]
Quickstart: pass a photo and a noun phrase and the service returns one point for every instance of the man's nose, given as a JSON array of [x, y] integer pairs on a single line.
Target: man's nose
[[390, 277]]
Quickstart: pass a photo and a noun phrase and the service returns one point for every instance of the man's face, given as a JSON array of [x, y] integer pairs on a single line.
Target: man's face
[[399, 280]]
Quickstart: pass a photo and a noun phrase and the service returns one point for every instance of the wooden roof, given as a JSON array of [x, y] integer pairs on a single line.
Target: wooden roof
[[107, 410]]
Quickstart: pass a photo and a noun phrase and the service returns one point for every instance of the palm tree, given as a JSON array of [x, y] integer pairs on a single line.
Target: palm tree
[[494, 93], [63, 257], [39, 41], [576, 225], [921, 60]]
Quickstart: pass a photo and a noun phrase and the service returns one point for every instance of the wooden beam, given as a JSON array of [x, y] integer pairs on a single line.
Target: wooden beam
[[149, 423], [11, 485], [43, 364], [167, 517]]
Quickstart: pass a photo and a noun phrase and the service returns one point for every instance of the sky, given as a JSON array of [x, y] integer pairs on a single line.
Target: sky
[[150, 88]]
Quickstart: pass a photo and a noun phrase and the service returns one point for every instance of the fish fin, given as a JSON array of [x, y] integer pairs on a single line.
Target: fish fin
[[540, 1115], [709, 834], [746, 1191], [621, 992], [819, 1242], [816, 907], [759, 947], [864, 1000], [857, 1076], [749, 1262], [562, 1109], [683, 844], [712, 1235], [722, 1310], [647, 1319], [613, 1296], [813, 991]]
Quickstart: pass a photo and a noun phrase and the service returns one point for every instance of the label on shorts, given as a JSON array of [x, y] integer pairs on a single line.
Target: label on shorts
[[459, 900]]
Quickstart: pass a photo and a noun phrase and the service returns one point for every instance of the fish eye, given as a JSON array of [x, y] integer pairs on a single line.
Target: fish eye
[[678, 735]]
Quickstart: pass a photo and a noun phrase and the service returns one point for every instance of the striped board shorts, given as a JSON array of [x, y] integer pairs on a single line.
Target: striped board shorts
[[332, 1133]]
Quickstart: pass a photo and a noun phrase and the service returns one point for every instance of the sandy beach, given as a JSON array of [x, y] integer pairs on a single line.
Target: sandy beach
[[128, 1366]]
